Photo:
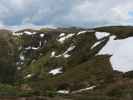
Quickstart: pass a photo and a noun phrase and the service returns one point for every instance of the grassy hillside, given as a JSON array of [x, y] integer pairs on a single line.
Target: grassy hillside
[[48, 62]]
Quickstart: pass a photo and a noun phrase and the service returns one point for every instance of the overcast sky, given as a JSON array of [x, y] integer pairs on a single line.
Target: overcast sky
[[89, 13]]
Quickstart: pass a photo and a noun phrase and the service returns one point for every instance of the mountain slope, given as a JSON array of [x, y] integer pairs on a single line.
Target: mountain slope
[[78, 63]]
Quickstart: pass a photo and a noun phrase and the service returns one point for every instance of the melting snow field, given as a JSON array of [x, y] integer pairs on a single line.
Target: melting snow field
[[122, 53]]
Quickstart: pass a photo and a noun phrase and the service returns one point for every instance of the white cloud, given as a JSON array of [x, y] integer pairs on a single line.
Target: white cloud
[[102, 12], [65, 12]]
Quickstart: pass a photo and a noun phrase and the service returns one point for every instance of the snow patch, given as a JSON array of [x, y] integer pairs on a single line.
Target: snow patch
[[62, 39], [66, 55], [68, 50], [33, 48], [122, 53], [56, 71], [42, 35], [63, 91], [22, 57], [70, 35], [29, 33], [62, 34], [96, 44], [101, 35], [81, 32], [25, 32], [17, 34], [28, 76], [85, 89], [52, 54], [28, 48]]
